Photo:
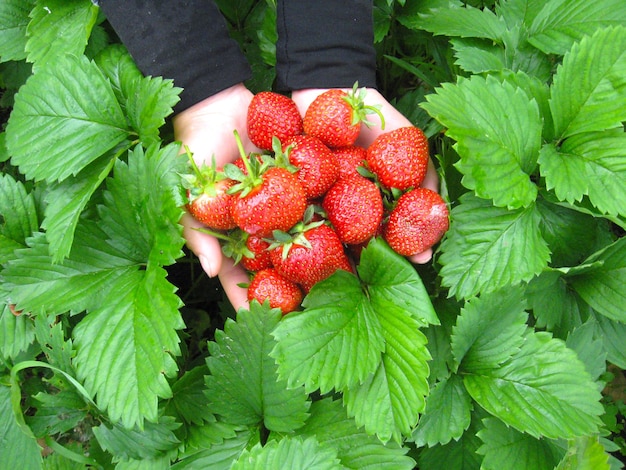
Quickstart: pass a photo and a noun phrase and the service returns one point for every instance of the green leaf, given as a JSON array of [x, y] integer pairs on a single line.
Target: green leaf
[[388, 403], [18, 216], [447, 414], [65, 203], [78, 283], [151, 442], [602, 287], [563, 22], [142, 210], [58, 27], [487, 247], [16, 333], [219, 456], [65, 116], [544, 390], [334, 342], [585, 453], [590, 164], [17, 450], [516, 12], [588, 99], [332, 428], [490, 330], [504, 447], [13, 22], [289, 452], [590, 349], [393, 283], [188, 399], [131, 339], [58, 413], [243, 387], [612, 335], [146, 101], [465, 22], [499, 145]]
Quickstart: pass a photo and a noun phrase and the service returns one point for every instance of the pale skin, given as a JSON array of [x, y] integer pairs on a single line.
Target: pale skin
[[207, 129]]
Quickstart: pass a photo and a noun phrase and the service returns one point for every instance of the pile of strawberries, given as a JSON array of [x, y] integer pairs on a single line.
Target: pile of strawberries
[[305, 206]]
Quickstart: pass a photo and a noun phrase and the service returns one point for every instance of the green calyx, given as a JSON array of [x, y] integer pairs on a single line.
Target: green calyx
[[356, 99]]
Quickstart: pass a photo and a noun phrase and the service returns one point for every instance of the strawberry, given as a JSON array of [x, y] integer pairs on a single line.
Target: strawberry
[[269, 285], [335, 116], [257, 255], [349, 158], [317, 165], [267, 198], [271, 115], [208, 200], [418, 221], [399, 158], [354, 207], [313, 253]]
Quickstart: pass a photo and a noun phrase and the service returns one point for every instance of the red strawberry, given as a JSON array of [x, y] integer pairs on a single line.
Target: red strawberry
[[335, 116], [312, 255], [417, 222], [349, 158], [317, 165], [399, 158], [208, 200], [281, 293], [267, 197], [354, 206], [271, 115], [260, 259]]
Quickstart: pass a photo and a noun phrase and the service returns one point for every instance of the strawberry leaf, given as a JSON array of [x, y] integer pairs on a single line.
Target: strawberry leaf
[[243, 387], [59, 27], [66, 201], [612, 334], [65, 117], [13, 22], [488, 248], [18, 216], [146, 101], [447, 414], [332, 427], [288, 452], [560, 402], [593, 101], [589, 164], [505, 447], [17, 448], [602, 286], [334, 342], [587, 452], [498, 147], [562, 22], [16, 332]]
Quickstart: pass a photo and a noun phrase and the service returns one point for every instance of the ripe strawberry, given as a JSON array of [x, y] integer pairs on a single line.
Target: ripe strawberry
[[208, 200], [271, 115], [317, 165], [267, 198], [399, 158], [354, 206], [335, 116], [257, 255], [417, 222], [349, 158], [313, 254], [281, 293]]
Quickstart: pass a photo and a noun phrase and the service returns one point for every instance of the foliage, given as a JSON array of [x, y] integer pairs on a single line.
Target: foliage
[[506, 351]]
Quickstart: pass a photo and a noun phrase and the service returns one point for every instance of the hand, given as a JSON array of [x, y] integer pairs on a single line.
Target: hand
[[207, 130], [393, 120]]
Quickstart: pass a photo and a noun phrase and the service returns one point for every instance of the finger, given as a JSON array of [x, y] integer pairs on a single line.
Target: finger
[[423, 257], [205, 247], [232, 277]]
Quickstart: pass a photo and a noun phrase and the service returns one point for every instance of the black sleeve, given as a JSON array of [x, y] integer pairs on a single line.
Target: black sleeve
[[186, 41], [325, 44]]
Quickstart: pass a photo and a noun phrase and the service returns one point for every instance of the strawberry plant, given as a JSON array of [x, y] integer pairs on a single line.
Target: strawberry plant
[[507, 350]]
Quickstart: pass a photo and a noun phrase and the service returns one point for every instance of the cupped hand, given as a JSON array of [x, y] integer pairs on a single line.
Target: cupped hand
[[394, 119], [207, 129]]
